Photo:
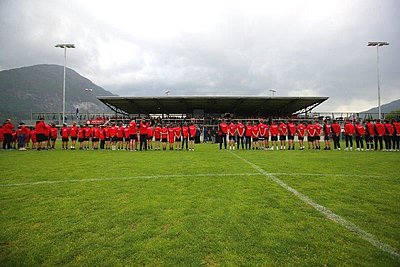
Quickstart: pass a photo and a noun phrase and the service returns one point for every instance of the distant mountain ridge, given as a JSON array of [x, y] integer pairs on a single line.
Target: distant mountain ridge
[[38, 88], [385, 108]]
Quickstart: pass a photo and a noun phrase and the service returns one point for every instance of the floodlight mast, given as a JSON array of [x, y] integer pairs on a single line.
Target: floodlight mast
[[378, 44], [273, 92], [64, 46]]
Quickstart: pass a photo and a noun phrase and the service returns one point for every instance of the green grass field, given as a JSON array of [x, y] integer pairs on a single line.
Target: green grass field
[[207, 207]]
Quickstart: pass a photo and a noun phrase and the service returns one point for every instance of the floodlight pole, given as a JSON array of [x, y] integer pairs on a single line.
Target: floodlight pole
[[65, 46], [378, 44], [273, 92]]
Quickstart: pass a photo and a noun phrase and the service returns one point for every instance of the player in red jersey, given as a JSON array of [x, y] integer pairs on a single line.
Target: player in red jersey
[[291, 127], [157, 137], [359, 133], [380, 132], [40, 134], [171, 136], [120, 136], [21, 136], [396, 144], [132, 135], [192, 136], [87, 136], [369, 134], [317, 136], [231, 135], [95, 137], [336, 131], [33, 139], [282, 129], [185, 135], [53, 135], [223, 130], [8, 129], [73, 132], [113, 136], [107, 139], [264, 135], [143, 134], [349, 131], [150, 137], [248, 132], [310, 135], [127, 138], [178, 137], [64, 132], [240, 134], [164, 137], [102, 137], [301, 132], [327, 134], [255, 135], [388, 135], [81, 136], [27, 137], [274, 130], [47, 136]]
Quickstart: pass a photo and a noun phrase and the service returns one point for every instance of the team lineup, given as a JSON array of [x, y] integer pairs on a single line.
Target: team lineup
[[255, 135]]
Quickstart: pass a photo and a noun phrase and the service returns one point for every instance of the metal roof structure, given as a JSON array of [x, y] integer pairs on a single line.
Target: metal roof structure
[[239, 105]]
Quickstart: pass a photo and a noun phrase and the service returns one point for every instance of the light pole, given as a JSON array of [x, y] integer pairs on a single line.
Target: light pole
[[64, 46], [273, 92], [378, 44]]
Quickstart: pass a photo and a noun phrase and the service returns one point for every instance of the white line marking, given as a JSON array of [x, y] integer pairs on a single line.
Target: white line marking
[[327, 213], [128, 178]]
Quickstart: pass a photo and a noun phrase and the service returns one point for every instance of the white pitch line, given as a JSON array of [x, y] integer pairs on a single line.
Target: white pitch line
[[327, 213], [128, 178]]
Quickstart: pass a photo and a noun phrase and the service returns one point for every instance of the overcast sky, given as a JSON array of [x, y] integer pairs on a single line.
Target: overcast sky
[[141, 48]]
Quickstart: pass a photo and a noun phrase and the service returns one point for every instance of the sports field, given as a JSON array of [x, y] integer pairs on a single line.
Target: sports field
[[207, 207]]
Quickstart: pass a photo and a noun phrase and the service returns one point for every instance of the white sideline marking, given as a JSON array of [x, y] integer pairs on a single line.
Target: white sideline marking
[[128, 178], [327, 213]]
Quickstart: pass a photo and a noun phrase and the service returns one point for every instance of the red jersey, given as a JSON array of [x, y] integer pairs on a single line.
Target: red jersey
[[185, 131], [310, 130], [132, 128], [254, 131], [81, 133], [120, 132], [126, 132], [301, 130], [349, 129], [318, 129], [249, 129], [149, 131], [157, 132], [112, 131], [240, 129], [53, 132], [8, 128], [282, 129], [192, 130], [327, 129], [389, 129], [88, 132], [143, 128], [291, 129], [96, 132], [177, 132], [397, 128], [28, 134], [102, 134], [370, 129], [47, 130], [1, 134], [40, 127], [263, 129], [73, 131], [232, 129], [171, 135], [33, 136], [223, 127], [274, 129], [164, 132], [107, 132], [336, 129], [359, 129], [64, 132], [380, 129]]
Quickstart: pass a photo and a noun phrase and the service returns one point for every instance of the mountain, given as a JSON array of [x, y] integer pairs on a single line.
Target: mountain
[[386, 108], [38, 88]]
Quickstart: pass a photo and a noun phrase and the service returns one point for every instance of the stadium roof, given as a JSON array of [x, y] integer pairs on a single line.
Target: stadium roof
[[240, 105]]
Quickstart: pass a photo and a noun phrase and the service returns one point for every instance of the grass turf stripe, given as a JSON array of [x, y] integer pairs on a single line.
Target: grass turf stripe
[[326, 212]]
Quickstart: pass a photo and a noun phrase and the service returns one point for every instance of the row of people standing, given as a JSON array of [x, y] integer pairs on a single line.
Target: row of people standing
[[281, 135]]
